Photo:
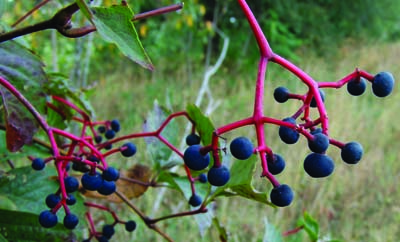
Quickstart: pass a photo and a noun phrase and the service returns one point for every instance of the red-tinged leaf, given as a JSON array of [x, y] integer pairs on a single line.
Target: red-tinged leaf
[[24, 70]]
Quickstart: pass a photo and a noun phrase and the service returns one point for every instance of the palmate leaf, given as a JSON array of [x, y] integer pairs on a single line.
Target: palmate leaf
[[115, 25], [24, 226], [24, 71]]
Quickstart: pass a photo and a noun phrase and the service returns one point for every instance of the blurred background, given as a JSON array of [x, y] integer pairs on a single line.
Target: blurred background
[[326, 38]]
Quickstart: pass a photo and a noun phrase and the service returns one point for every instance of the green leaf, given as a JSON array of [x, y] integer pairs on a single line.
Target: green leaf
[[23, 226], [310, 225], [204, 126], [240, 183], [85, 10], [115, 25], [59, 85], [223, 233], [271, 234], [28, 188], [24, 70]]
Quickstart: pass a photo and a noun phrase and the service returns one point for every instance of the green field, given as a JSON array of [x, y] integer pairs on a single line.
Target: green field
[[356, 203]]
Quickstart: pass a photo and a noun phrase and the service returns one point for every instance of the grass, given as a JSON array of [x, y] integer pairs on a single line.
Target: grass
[[356, 203]]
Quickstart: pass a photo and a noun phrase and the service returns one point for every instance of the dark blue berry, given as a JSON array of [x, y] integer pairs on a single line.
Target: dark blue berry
[[218, 176], [203, 178], [38, 164], [52, 200], [91, 182], [98, 139], [356, 86], [194, 159], [115, 125], [130, 226], [288, 135], [316, 131], [79, 166], [281, 195], [382, 84], [128, 149], [101, 129], [193, 139], [102, 239], [195, 200], [281, 94], [107, 188], [70, 221], [241, 148], [110, 174], [109, 134], [313, 103], [108, 231], [47, 219], [71, 184], [71, 200], [277, 165], [93, 159], [318, 165], [108, 146], [352, 152], [319, 143]]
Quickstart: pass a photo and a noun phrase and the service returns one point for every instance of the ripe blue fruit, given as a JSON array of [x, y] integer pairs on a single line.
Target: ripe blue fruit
[[107, 188], [71, 200], [192, 139], [47, 219], [128, 149], [79, 166], [71, 184], [109, 134], [108, 231], [203, 178], [194, 159], [101, 129], [115, 125], [277, 165], [130, 226], [52, 200], [382, 84], [70, 221], [91, 182], [110, 174], [288, 135], [319, 143], [281, 94], [102, 239], [352, 152], [195, 200], [38, 164], [318, 165], [281, 195], [218, 176], [313, 103], [241, 148], [98, 139], [356, 86]]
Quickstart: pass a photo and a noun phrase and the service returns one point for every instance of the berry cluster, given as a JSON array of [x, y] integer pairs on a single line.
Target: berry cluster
[[81, 160], [107, 230]]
